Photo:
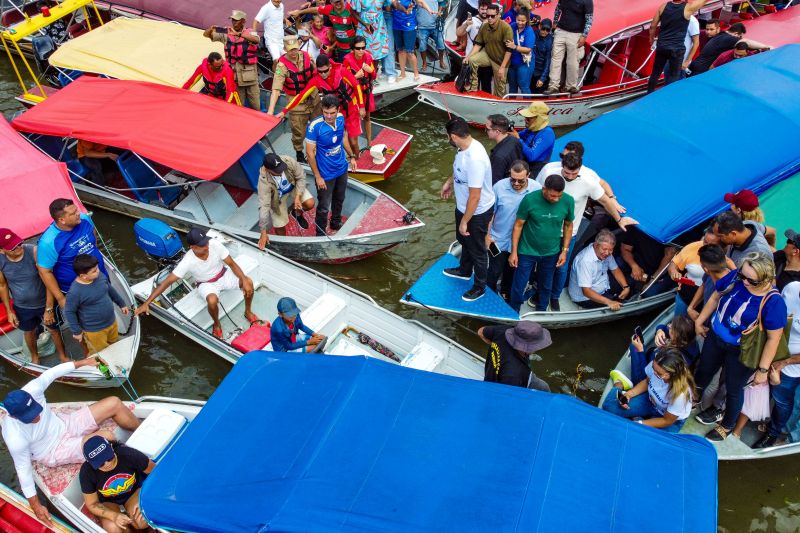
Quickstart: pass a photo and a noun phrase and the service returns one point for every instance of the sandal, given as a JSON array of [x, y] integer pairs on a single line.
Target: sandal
[[217, 332], [718, 434], [253, 318]]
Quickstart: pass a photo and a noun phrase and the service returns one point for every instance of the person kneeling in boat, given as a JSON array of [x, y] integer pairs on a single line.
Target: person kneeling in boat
[[668, 385], [214, 270], [278, 178], [285, 328], [589, 284], [218, 79], [33, 432], [111, 479], [510, 350]]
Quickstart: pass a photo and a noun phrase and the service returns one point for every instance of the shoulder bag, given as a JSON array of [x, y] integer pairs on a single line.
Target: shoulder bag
[[755, 337]]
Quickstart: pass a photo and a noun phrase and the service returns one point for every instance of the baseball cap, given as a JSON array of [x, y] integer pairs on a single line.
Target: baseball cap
[[8, 239], [97, 451], [288, 307], [793, 237], [21, 405], [746, 200], [197, 237], [274, 163], [290, 42], [546, 23], [238, 15]]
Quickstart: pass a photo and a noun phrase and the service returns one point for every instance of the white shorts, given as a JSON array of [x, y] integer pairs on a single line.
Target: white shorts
[[275, 49], [226, 282], [69, 449], [281, 217]]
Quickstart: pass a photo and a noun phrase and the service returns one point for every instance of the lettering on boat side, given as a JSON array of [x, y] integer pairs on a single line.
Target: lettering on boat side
[[553, 111]]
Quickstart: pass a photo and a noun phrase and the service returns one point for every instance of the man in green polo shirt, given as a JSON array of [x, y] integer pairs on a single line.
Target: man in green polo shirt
[[490, 50], [541, 239]]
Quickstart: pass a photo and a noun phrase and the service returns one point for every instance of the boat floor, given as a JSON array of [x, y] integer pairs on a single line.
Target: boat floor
[[732, 446], [71, 346]]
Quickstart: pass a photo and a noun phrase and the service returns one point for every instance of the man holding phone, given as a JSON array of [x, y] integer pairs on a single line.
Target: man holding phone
[[241, 52]]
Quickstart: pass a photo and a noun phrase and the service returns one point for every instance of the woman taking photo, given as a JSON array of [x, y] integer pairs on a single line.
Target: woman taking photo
[[738, 299]]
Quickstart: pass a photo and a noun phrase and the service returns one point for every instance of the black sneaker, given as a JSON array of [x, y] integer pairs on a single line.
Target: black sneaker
[[473, 294], [300, 156], [767, 441], [298, 216], [555, 306], [710, 416], [548, 92], [533, 301], [455, 272]]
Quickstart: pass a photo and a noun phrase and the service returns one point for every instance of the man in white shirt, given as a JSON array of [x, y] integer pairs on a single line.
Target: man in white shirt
[[213, 270], [471, 25], [271, 17], [589, 285], [471, 183], [33, 432]]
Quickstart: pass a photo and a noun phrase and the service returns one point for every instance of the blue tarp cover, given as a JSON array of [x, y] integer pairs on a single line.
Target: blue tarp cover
[[292, 442], [671, 156]]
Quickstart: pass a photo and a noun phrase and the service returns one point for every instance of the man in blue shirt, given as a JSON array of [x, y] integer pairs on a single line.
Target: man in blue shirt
[[537, 138], [71, 234], [326, 151], [287, 325]]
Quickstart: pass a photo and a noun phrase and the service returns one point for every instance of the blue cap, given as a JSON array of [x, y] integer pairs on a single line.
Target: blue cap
[[21, 405], [288, 307], [97, 451]]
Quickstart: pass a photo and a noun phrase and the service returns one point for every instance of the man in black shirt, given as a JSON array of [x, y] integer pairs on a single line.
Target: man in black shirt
[[572, 21], [510, 348], [643, 258], [721, 42], [787, 261], [507, 148], [673, 19]]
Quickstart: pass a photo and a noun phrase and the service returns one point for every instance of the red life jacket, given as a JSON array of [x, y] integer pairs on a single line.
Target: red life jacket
[[296, 80], [240, 50], [340, 88], [216, 89]]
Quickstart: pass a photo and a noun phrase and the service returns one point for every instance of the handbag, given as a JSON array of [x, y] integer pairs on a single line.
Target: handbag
[[755, 337], [463, 78]]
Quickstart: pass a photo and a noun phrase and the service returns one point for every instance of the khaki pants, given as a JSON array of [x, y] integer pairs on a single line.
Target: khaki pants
[[250, 94], [300, 116], [481, 59], [565, 43], [99, 340]]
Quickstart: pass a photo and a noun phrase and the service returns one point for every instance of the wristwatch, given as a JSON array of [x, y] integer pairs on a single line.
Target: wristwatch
[[763, 370]]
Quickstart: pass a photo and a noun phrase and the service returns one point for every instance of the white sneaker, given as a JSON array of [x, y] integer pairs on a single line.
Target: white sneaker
[[391, 79]]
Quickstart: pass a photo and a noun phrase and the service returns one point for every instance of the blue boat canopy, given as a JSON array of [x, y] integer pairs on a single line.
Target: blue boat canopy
[[671, 156], [292, 442]]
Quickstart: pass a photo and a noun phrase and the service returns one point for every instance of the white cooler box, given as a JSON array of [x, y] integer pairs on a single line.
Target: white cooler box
[[154, 436]]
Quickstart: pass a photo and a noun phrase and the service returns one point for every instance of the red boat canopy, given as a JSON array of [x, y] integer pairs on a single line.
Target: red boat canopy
[[776, 29], [30, 181], [190, 132]]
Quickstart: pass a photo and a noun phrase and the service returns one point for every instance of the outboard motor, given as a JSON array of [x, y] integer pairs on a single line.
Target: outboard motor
[[160, 242]]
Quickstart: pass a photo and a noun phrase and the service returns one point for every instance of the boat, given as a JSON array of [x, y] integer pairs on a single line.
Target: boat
[[730, 449], [163, 422], [191, 160], [16, 516], [355, 444], [24, 169], [352, 321], [777, 29], [618, 65], [697, 143]]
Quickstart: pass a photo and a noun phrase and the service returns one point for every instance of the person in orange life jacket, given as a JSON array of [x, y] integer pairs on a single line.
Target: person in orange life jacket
[[360, 63], [241, 52], [218, 79], [331, 78], [294, 71]]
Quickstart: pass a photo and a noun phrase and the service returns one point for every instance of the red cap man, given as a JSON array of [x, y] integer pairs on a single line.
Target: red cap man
[[8, 239], [746, 200]]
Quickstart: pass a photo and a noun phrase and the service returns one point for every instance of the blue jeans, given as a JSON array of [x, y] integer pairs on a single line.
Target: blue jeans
[[718, 354], [783, 394], [405, 40], [681, 308], [639, 361], [639, 407], [389, 67], [560, 278], [545, 267], [519, 79], [424, 33]]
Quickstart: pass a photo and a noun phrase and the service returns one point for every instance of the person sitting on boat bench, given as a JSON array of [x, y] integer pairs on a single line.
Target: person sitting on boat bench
[[33, 432], [214, 270], [287, 325], [510, 348], [111, 479], [91, 155], [589, 286], [280, 179]]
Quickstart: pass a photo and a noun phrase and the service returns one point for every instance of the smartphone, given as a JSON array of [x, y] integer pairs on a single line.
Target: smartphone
[[220, 29], [621, 398], [637, 332], [493, 249]]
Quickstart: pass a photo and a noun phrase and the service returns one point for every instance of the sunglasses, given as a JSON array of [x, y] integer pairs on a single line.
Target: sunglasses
[[493, 16], [519, 182], [359, 48], [742, 277], [324, 71]]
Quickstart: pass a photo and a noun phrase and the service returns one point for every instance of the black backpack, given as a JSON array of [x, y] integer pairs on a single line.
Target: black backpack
[[463, 78]]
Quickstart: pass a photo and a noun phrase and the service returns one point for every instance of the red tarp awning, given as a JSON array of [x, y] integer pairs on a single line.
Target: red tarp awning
[[29, 181], [190, 132], [776, 29]]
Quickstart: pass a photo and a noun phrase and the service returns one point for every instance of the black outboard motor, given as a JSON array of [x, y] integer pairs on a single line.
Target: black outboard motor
[[160, 242]]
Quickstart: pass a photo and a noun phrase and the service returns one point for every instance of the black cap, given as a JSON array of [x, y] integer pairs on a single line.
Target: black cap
[[197, 237], [793, 237], [546, 23], [273, 163]]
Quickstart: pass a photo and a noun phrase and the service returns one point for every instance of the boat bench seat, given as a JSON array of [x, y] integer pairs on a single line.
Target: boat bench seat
[[217, 202], [423, 357], [322, 311], [194, 306], [354, 218], [246, 216]]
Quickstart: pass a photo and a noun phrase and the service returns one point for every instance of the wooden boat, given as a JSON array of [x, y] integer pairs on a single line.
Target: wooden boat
[[23, 169], [163, 422], [349, 318], [196, 163], [618, 65], [16, 516], [732, 448]]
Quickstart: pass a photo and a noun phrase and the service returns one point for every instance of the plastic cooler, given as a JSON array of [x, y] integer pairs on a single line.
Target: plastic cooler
[[157, 432]]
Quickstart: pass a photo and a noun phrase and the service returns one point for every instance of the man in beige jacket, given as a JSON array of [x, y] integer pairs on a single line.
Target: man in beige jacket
[[280, 180]]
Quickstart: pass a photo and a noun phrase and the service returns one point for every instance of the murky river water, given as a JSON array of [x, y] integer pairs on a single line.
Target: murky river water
[[753, 496]]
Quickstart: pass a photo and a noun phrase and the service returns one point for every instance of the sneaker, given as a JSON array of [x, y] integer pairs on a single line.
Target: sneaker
[[555, 306], [533, 301], [548, 91], [619, 377], [573, 90], [455, 272], [767, 441], [298, 216], [391, 79], [473, 294], [710, 416], [300, 156]]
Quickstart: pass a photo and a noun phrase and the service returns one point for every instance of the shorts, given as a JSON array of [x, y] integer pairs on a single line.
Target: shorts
[[69, 449], [31, 319], [228, 281], [281, 217], [275, 49], [405, 40], [352, 121], [100, 340], [433, 33]]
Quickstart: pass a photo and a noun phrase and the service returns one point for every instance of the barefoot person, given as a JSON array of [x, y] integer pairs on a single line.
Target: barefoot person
[[33, 432], [213, 270]]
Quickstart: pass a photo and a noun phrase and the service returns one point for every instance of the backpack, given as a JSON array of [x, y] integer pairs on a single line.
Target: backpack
[[463, 78]]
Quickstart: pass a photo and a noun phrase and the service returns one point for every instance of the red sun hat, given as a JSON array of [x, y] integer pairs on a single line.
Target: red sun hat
[[746, 200]]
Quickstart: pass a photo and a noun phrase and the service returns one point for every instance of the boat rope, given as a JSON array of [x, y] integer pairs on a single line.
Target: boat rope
[[397, 116], [409, 298], [123, 378], [578, 378]]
